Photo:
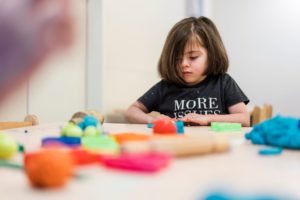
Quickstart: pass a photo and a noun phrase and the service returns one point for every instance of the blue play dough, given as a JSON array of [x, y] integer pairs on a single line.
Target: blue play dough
[[279, 131], [180, 127], [270, 151], [149, 125], [81, 125], [222, 196], [90, 121], [70, 141]]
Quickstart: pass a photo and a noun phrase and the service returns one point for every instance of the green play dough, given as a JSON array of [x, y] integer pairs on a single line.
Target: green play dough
[[8, 146], [71, 130], [65, 129], [100, 143], [225, 126], [91, 131]]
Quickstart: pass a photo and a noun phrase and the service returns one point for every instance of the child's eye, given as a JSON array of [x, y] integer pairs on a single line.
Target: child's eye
[[193, 57]]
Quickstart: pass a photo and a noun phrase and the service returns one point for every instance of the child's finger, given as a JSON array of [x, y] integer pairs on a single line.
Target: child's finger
[[191, 117], [162, 117], [185, 119], [165, 116]]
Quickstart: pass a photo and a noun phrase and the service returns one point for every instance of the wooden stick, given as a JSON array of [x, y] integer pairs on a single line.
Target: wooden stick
[[180, 146], [9, 125], [255, 115], [30, 120]]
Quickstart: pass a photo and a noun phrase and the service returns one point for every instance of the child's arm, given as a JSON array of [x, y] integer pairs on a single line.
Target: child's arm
[[137, 113], [238, 114]]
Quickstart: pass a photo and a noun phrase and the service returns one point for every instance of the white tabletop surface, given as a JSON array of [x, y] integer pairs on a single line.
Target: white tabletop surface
[[240, 171]]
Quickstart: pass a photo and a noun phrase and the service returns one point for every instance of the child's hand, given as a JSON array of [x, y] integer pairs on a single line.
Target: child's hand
[[202, 120], [161, 116], [156, 115]]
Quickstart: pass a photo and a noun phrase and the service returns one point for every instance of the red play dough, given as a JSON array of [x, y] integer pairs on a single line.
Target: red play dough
[[84, 157], [165, 126]]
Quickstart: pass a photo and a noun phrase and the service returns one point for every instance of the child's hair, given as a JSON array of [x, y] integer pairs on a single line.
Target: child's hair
[[186, 32]]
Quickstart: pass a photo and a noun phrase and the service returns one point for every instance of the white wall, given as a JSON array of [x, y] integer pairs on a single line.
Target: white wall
[[134, 32], [58, 89], [262, 39], [94, 56]]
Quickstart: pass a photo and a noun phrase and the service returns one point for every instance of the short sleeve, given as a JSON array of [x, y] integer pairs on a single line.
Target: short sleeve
[[232, 92], [151, 98]]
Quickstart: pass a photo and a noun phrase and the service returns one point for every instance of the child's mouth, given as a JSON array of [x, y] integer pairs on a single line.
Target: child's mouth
[[186, 73]]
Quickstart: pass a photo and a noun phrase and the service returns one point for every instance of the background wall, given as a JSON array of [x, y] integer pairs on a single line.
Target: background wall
[[133, 35], [114, 59], [262, 39]]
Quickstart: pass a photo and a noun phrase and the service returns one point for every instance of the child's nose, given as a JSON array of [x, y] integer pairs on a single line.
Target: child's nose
[[185, 63]]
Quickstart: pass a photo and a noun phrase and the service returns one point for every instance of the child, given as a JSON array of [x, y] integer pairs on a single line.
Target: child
[[195, 87]]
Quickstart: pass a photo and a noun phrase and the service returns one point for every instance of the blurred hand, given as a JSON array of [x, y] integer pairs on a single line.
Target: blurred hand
[[29, 31]]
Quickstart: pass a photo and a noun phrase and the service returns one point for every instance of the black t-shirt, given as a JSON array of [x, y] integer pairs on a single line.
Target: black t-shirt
[[213, 95]]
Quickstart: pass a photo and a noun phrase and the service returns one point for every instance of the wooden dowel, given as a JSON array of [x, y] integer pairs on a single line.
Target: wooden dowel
[[30, 120], [180, 146], [9, 125]]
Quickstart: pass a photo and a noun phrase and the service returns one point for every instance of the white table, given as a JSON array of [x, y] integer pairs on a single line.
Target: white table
[[241, 170]]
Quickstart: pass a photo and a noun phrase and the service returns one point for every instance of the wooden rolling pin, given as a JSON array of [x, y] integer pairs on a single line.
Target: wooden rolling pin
[[179, 146], [30, 120]]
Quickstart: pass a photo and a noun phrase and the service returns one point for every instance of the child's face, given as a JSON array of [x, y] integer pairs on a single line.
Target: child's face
[[194, 63]]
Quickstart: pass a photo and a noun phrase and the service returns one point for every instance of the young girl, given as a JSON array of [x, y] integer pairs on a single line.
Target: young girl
[[195, 87]]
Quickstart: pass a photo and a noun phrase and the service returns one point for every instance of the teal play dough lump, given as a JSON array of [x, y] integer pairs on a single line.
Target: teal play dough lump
[[270, 151], [279, 131]]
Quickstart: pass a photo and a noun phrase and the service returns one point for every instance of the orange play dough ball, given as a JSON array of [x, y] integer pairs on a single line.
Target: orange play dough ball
[[130, 137], [48, 167]]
